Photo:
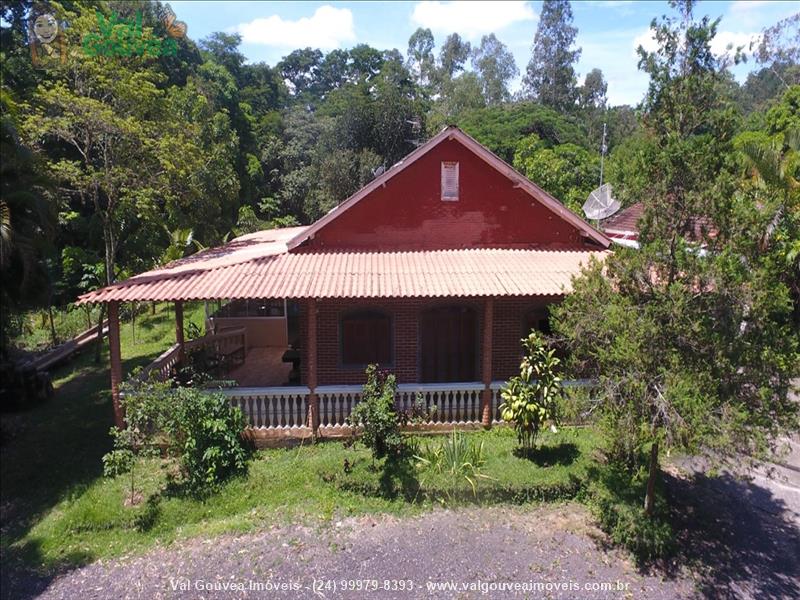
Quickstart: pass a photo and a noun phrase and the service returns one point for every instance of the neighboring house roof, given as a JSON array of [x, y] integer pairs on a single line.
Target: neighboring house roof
[[623, 227], [454, 133], [340, 274], [625, 222]]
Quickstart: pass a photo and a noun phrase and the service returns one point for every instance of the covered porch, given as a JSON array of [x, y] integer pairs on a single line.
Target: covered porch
[[259, 380], [447, 323]]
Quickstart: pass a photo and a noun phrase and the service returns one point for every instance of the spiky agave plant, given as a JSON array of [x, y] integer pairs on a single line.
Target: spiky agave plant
[[455, 459]]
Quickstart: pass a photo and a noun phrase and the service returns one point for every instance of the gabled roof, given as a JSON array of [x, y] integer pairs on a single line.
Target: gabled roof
[[269, 264], [454, 133], [625, 222]]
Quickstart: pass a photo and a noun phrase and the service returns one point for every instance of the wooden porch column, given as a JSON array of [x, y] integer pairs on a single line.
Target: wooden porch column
[[179, 330], [116, 362], [488, 323], [311, 352]]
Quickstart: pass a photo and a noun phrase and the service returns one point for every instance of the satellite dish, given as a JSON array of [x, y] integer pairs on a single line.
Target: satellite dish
[[600, 204], [380, 170]]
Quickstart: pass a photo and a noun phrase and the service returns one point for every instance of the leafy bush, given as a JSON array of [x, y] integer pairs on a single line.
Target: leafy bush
[[198, 427], [419, 412], [376, 416], [211, 434], [457, 459], [530, 400]]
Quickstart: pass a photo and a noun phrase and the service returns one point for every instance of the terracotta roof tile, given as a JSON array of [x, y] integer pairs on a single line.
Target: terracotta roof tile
[[355, 274]]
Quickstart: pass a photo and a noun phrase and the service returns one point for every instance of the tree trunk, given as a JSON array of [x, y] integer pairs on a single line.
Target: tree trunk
[[650, 495], [53, 335], [99, 347]]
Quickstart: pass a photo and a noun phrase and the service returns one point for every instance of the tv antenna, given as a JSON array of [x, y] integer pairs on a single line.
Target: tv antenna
[[601, 203], [603, 150]]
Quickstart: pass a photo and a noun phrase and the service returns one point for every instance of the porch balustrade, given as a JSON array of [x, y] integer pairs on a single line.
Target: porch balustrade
[[426, 404], [272, 408], [287, 408], [225, 344]]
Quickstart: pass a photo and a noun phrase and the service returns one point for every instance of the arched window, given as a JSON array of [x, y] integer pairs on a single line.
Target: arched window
[[366, 338], [538, 319]]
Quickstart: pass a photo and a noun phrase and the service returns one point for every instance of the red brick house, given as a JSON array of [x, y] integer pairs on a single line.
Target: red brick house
[[434, 270]]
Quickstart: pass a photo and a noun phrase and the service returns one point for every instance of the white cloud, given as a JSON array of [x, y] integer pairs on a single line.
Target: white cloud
[[327, 28], [471, 19], [719, 45], [723, 39], [647, 40]]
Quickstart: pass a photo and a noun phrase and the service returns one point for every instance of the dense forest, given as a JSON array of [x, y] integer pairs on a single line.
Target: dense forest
[[120, 159]]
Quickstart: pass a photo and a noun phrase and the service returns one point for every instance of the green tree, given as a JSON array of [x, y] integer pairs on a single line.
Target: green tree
[[773, 161], [421, 61], [460, 95], [550, 77], [300, 69], [27, 222], [592, 94], [566, 171], [223, 48], [690, 337], [453, 55], [501, 128], [495, 67]]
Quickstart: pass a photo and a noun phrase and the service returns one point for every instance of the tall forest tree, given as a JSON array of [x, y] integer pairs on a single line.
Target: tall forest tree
[[550, 76], [495, 67], [421, 61]]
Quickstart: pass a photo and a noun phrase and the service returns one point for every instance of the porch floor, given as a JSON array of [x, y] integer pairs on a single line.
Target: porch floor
[[262, 367]]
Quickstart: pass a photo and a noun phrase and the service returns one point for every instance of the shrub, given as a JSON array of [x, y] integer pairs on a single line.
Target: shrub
[[144, 415], [198, 427], [211, 435], [376, 416], [530, 399], [615, 497], [457, 459]]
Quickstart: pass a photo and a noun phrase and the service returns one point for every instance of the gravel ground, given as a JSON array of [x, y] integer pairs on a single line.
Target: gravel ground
[[739, 538], [550, 545]]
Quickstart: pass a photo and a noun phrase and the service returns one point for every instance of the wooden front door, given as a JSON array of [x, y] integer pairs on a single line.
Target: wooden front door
[[448, 344]]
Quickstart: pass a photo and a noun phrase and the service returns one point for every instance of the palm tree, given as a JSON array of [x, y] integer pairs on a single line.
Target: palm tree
[[777, 166]]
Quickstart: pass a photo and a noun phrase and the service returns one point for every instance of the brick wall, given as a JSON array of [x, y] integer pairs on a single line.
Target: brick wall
[[508, 330], [509, 319]]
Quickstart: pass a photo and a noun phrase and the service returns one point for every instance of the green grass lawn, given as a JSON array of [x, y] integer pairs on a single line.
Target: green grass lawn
[[58, 509], [51, 452], [306, 483]]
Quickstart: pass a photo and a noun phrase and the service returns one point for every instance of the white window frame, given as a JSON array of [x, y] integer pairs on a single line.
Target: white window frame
[[446, 165]]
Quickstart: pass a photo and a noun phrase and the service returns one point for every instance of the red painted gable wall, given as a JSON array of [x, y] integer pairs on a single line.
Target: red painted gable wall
[[408, 213]]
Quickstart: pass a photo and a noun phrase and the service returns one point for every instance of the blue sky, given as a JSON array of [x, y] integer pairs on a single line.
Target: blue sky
[[608, 31]]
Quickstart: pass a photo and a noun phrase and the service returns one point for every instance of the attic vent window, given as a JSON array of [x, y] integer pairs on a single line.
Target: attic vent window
[[449, 181]]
